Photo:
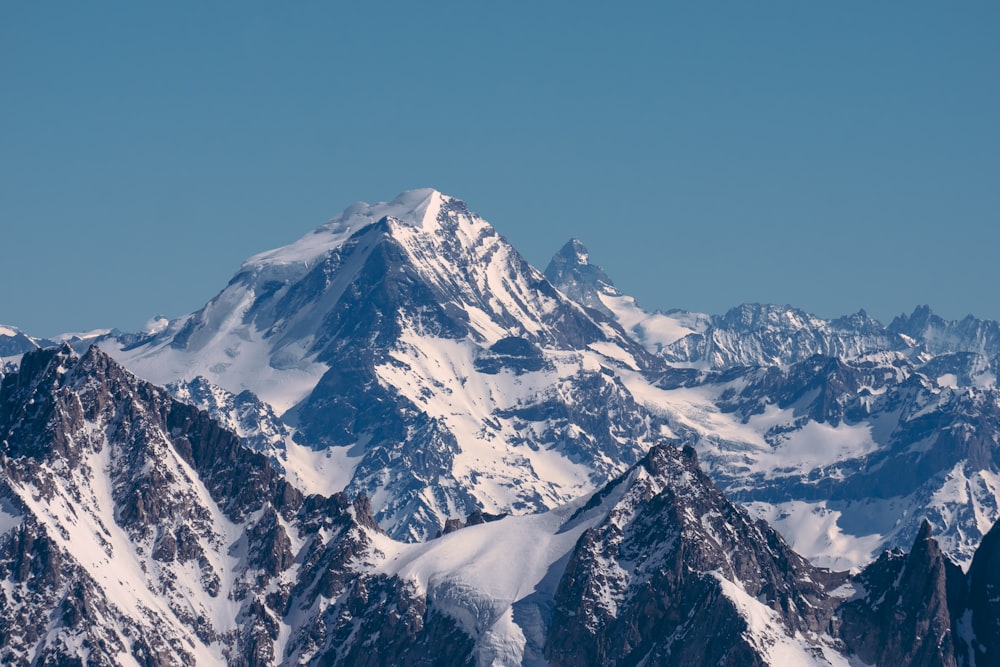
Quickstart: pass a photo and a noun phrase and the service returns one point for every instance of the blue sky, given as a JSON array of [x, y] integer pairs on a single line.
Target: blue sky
[[834, 156]]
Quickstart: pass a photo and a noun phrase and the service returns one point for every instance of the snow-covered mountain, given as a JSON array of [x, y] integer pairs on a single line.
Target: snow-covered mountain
[[137, 531], [769, 335], [939, 336], [13, 344], [412, 348]]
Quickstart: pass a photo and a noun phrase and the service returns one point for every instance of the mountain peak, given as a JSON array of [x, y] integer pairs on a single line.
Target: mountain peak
[[574, 251], [418, 209], [571, 272]]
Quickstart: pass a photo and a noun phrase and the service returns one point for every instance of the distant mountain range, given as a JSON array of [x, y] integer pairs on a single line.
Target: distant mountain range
[[396, 442]]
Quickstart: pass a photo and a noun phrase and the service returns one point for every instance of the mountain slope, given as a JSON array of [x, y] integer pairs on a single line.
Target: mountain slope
[[136, 531], [675, 562]]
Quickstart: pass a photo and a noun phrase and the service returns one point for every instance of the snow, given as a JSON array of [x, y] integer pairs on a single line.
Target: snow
[[764, 633], [816, 445], [230, 354], [694, 408], [272, 359], [615, 352], [90, 532], [812, 530], [967, 503], [654, 330], [155, 325], [77, 336], [10, 518], [410, 205], [948, 380], [477, 574], [238, 348], [325, 472], [843, 538], [7, 331], [476, 271], [440, 377]]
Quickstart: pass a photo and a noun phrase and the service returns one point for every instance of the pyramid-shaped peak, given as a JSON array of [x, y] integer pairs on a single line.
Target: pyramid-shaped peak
[[574, 252], [571, 271], [572, 257]]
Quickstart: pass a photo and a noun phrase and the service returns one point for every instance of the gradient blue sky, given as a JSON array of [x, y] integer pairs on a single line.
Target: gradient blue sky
[[834, 156]]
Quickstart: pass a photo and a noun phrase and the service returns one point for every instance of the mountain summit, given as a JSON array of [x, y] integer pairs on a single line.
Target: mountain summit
[[580, 280]]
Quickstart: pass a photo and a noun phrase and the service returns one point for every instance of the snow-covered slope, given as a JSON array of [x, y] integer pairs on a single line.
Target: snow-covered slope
[[586, 283]]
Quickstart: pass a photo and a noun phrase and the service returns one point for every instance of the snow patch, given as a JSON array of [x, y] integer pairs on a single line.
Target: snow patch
[[477, 574], [763, 632], [812, 530], [325, 471], [10, 518]]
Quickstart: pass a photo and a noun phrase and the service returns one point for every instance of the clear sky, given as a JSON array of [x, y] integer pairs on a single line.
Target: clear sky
[[834, 156]]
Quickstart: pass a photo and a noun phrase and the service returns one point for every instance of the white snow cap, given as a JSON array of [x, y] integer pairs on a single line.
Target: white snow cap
[[415, 208]]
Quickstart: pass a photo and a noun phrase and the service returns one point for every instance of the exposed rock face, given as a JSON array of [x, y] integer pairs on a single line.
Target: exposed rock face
[[136, 529], [571, 271], [115, 479], [674, 563], [984, 601], [906, 614]]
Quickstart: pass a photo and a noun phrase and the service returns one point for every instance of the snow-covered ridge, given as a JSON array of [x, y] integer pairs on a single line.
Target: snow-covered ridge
[[418, 208]]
